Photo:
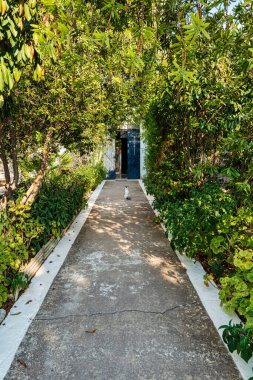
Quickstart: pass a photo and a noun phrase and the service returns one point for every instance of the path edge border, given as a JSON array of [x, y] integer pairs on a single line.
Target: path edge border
[[209, 298], [23, 312]]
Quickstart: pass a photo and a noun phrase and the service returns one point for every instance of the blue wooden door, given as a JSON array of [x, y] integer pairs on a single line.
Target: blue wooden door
[[133, 143]]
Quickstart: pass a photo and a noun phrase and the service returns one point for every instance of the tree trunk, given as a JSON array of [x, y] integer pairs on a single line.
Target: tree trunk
[[14, 157], [226, 15], [34, 189], [140, 42], [4, 157], [199, 9], [7, 175]]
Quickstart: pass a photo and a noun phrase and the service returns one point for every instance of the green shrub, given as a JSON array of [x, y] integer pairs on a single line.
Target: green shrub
[[237, 288], [213, 226], [61, 197], [239, 338], [193, 222], [18, 230], [24, 230], [236, 292]]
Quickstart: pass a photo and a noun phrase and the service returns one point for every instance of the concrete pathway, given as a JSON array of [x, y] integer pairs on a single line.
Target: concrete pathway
[[122, 306]]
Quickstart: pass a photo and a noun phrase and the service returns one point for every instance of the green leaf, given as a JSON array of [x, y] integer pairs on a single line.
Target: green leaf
[[17, 74], [27, 12]]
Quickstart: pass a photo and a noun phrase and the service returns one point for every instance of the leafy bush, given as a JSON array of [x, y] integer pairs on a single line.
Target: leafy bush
[[237, 289], [61, 197], [199, 170], [24, 229], [211, 225], [18, 230], [193, 222], [238, 338]]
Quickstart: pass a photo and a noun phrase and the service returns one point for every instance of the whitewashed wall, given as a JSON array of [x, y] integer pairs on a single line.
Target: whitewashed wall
[[109, 156]]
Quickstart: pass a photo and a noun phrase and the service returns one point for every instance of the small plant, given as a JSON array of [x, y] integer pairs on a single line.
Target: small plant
[[17, 283], [18, 230], [238, 338]]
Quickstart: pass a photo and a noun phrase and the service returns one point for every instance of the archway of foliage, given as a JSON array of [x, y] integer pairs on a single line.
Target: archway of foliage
[[183, 69]]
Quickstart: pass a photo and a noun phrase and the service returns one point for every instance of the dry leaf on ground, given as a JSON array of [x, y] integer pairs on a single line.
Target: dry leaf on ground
[[23, 363], [91, 331]]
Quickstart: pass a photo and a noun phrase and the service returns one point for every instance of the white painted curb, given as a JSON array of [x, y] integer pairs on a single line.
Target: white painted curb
[[210, 299], [15, 326]]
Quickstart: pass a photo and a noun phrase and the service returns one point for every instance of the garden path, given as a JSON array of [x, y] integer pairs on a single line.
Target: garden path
[[122, 306]]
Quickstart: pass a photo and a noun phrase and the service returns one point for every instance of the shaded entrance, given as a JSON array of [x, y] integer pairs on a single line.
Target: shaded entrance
[[124, 156], [127, 160]]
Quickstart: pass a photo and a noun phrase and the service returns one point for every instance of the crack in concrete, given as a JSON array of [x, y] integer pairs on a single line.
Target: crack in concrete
[[114, 313]]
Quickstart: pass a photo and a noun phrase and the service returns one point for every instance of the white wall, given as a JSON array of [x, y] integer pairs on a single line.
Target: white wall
[[109, 156]]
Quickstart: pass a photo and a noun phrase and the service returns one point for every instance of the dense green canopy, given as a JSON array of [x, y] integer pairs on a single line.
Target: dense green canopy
[[72, 72]]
